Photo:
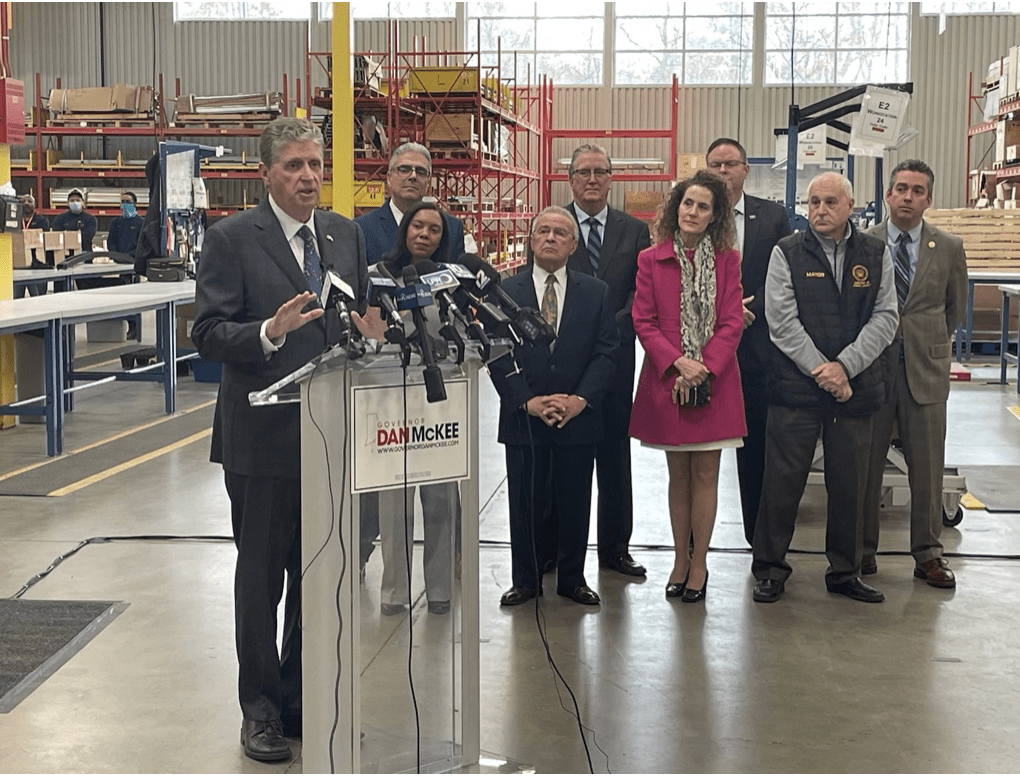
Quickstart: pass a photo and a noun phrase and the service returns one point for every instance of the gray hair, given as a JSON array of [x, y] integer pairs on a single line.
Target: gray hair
[[588, 148], [28, 199], [283, 130], [846, 185], [559, 211], [913, 165], [410, 148]]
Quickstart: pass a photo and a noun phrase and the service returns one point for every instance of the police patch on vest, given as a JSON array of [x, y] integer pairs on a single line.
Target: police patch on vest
[[814, 274], [860, 273]]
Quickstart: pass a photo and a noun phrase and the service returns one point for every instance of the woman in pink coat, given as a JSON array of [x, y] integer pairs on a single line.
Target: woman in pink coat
[[688, 315]]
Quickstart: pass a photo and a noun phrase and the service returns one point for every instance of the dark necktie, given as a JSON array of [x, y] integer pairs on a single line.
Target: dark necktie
[[902, 266], [594, 243], [313, 266], [550, 306]]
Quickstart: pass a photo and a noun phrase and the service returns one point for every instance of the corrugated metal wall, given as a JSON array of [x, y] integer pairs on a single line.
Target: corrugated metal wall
[[62, 40]]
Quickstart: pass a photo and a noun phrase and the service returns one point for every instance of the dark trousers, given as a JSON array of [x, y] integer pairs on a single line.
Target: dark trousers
[[568, 468], [790, 445], [751, 457], [369, 522], [922, 429], [612, 468], [266, 517]]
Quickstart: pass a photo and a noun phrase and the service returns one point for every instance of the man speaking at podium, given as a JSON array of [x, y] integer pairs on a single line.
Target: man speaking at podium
[[258, 280]]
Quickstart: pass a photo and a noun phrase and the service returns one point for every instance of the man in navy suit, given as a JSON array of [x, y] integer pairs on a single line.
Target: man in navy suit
[[258, 280], [550, 420], [760, 225], [408, 183], [608, 247]]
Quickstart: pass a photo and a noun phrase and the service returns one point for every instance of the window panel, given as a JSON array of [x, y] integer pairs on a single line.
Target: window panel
[[703, 67], [645, 34], [572, 68], [871, 31], [811, 67], [717, 9], [654, 8], [508, 34], [523, 59], [876, 66], [648, 67], [578, 34], [726, 32], [489, 10], [871, 8], [240, 11], [571, 8]]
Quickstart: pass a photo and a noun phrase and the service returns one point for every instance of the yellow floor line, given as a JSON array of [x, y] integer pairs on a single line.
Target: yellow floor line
[[968, 501], [100, 476], [113, 438], [1015, 411]]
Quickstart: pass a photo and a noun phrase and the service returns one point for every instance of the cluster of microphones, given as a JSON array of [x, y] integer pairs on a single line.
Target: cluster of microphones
[[470, 310]]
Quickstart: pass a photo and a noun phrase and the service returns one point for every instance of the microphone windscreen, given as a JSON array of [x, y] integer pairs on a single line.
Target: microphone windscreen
[[476, 265], [410, 275], [426, 267]]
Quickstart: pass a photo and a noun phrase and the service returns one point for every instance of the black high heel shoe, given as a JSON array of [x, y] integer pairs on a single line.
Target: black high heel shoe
[[692, 596], [676, 589]]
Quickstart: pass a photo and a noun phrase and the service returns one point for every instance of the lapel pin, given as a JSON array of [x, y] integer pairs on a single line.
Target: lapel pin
[[931, 243], [752, 216], [330, 238]]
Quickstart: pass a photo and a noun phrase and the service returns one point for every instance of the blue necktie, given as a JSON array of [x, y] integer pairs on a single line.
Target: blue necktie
[[313, 266], [902, 267], [594, 243]]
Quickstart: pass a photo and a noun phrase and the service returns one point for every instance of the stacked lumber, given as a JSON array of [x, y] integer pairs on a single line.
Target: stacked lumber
[[991, 237]]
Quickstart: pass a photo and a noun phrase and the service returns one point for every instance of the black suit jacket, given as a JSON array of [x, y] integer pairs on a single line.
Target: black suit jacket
[[625, 237], [765, 224], [246, 272], [581, 363], [380, 229]]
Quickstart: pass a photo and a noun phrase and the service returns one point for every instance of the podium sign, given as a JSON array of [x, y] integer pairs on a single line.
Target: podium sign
[[435, 436]]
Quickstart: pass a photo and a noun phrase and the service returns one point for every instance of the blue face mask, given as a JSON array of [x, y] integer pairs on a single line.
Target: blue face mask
[[74, 206], [128, 210]]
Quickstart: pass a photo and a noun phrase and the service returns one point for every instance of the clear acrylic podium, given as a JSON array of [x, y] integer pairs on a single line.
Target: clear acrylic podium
[[357, 709]]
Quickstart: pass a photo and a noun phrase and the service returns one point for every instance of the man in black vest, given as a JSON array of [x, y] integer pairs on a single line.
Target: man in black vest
[[830, 303]]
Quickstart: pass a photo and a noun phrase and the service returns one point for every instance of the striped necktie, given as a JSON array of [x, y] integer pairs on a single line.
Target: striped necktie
[[902, 267], [313, 266], [594, 243]]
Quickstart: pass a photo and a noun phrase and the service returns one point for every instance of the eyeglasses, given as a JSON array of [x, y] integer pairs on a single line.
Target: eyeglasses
[[407, 169], [729, 165], [556, 231], [600, 173]]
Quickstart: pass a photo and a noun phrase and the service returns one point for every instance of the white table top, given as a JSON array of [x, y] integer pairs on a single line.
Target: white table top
[[93, 303], [80, 270], [1010, 289], [993, 276]]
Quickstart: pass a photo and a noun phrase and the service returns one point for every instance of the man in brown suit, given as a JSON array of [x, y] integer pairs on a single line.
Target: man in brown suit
[[931, 287]]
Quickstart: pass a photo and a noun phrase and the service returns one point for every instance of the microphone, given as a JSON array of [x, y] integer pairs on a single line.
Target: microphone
[[435, 390], [336, 293], [442, 281], [380, 294], [531, 326]]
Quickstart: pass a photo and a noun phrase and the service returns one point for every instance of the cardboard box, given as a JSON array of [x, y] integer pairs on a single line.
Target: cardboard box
[[452, 128], [688, 164], [185, 322], [643, 202], [54, 241], [118, 98], [1007, 133], [24, 243], [72, 242]]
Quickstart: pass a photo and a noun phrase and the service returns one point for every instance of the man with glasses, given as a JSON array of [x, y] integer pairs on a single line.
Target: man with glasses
[[551, 421], [609, 244], [408, 183], [760, 225]]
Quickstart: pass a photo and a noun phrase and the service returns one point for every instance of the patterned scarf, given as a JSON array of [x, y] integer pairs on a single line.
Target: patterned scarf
[[697, 295]]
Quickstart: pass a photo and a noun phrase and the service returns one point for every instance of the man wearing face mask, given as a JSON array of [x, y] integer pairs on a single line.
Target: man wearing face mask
[[77, 219], [125, 227]]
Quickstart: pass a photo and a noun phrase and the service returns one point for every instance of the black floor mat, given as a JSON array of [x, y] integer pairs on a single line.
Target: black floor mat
[[997, 487], [38, 637]]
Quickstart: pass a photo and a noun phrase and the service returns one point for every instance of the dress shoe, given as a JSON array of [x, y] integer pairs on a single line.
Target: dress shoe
[[693, 596], [439, 607], [264, 741], [291, 725], [869, 565], [676, 589], [625, 564], [516, 596], [768, 591], [936, 572], [857, 590], [391, 609], [582, 594]]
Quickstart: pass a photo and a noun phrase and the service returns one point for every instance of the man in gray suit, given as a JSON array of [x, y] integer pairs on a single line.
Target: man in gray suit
[[931, 286], [258, 279]]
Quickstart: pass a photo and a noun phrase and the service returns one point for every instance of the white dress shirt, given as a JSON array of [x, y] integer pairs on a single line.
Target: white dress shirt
[[739, 213], [602, 216], [291, 227]]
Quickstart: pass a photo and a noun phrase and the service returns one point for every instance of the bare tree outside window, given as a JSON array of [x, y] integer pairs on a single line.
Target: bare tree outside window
[[186, 12], [407, 10]]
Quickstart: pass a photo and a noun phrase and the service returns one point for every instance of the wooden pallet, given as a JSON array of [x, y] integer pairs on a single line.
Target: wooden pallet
[[102, 120], [991, 238], [216, 120]]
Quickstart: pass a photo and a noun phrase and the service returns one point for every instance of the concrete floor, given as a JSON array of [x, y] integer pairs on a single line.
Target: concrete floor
[[925, 682]]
